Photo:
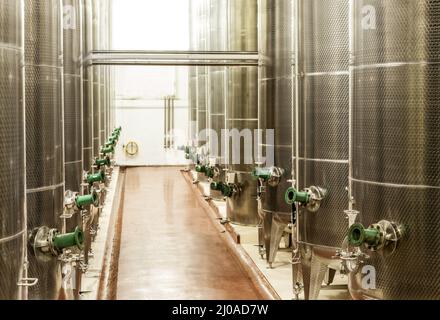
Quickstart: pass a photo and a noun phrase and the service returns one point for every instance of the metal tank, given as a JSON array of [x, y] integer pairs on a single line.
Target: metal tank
[[44, 134], [217, 94], [276, 97], [73, 96], [103, 73], [12, 170], [242, 113], [395, 148], [191, 153], [87, 18], [322, 153], [96, 80], [202, 87]]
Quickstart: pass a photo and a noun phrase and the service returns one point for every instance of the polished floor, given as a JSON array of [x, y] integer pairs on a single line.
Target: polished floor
[[170, 248]]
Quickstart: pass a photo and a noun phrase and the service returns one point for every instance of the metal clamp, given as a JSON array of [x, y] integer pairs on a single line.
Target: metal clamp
[[27, 282]]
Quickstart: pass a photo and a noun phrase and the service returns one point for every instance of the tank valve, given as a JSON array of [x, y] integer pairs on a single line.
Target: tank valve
[[74, 202], [383, 235], [270, 175], [311, 197], [96, 177], [110, 143], [45, 241], [117, 130], [107, 150], [90, 199], [201, 169], [212, 172], [227, 190], [103, 162]]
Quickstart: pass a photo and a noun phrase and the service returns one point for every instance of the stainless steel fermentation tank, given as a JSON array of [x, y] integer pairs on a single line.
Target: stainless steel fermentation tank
[[44, 133], [396, 142], [242, 111], [276, 97], [103, 71], [216, 89], [96, 79], [323, 133], [87, 30], [73, 95], [202, 87], [192, 87], [12, 159]]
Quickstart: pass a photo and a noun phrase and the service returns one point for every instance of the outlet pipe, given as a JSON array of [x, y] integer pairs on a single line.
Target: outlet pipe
[[91, 199], [96, 177]]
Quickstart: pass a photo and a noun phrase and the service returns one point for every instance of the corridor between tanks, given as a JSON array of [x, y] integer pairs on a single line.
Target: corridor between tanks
[[170, 248]]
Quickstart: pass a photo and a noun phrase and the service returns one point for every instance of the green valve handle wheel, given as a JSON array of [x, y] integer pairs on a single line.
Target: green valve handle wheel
[[262, 173], [103, 162], [226, 190], [96, 177], [292, 196], [68, 240], [87, 200], [107, 150], [358, 235], [210, 173], [200, 169], [113, 139]]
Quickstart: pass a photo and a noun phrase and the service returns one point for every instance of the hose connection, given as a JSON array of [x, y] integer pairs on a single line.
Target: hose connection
[[378, 236], [102, 162], [272, 176], [227, 190], [87, 200], [96, 177], [50, 242], [107, 150], [311, 198]]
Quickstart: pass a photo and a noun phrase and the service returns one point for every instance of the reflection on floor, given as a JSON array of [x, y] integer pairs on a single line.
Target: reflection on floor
[[170, 249]]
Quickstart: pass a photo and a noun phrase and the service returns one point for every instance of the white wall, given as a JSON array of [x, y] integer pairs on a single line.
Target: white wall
[[140, 112], [150, 25]]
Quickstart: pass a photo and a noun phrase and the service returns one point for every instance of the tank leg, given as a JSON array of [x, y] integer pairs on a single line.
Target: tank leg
[[318, 272], [306, 268], [276, 234], [261, 241], [267, 227], [330, 276]]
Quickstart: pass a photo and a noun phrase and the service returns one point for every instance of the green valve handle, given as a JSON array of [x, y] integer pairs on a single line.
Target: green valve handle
[[262, 173], [359, 235], [87, 200], [226, 190], [68, 240], [107, 150], [103, 162], [292, 196], [96, 177], [209, 172]]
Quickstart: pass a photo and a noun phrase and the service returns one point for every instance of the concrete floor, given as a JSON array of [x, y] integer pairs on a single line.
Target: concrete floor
[[170, 249]]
